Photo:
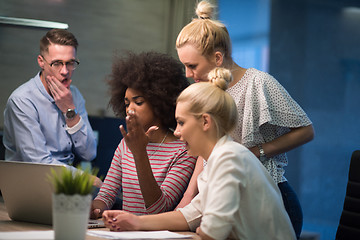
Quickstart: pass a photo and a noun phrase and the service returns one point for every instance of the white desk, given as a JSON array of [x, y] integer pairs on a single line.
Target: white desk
[[7, 225]]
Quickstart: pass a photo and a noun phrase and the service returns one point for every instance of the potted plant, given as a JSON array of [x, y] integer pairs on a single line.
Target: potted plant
[[72, 198]]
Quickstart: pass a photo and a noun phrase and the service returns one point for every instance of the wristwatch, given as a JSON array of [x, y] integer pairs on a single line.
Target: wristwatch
[[70, 113], [262, 153]]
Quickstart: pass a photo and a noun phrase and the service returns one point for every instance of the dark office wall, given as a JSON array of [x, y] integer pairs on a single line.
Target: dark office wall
[[315, 54], [101, 27]]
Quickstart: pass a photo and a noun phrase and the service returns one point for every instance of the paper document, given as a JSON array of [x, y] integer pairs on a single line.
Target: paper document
[[49, 235], [138, 235], [27, 235]]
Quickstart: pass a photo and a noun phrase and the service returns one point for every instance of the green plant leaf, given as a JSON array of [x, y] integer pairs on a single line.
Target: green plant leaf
[[69, 182]]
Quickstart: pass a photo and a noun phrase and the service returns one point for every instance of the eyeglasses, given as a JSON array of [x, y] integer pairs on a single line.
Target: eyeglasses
[[58, 65]]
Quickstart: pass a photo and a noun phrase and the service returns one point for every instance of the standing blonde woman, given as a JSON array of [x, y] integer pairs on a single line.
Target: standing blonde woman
[[270, 122], [237, 198]]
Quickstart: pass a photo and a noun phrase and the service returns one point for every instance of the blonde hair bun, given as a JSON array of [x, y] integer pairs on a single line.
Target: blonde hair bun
[[205, 10], [220, 77]]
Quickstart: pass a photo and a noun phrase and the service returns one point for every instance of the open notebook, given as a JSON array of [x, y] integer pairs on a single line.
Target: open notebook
[[27, 193]]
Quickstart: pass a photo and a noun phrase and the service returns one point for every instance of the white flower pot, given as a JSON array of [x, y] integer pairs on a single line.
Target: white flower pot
[[70, 216]]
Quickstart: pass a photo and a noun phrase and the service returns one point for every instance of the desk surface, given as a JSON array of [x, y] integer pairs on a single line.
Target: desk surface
[[7, 225]]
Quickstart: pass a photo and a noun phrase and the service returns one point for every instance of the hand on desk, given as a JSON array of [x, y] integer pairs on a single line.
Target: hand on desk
[[96, 209], [117, 220], [202, 234]]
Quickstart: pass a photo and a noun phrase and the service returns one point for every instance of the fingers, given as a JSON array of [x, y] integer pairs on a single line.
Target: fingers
[[130, 112], [122, 130], [132, 124], [110, 215], [49, 82], [118, 220], [57, 83], [151, 130], [134, 127], [54, 85], [198, 230], [61, 94], [110, 219], [95, 213], [131, 121], [97, 182]]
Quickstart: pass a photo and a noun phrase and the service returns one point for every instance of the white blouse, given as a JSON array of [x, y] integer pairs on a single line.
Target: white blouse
[[237, 198]]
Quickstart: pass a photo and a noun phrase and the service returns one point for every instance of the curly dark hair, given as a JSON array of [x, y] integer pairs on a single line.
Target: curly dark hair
[[159, 77]]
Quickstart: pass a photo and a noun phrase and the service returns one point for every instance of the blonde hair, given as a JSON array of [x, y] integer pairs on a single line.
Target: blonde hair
[[205, 34], [211, 98]]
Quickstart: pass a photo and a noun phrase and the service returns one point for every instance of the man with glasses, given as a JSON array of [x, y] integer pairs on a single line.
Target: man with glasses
[[45, 119]]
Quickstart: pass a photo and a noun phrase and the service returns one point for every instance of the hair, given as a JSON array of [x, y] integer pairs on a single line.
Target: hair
[[211, 98], [57, 36], [159, 77], [205, 34]]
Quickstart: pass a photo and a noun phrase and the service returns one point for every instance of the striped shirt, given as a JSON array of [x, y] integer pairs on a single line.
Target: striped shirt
[[172, 169]]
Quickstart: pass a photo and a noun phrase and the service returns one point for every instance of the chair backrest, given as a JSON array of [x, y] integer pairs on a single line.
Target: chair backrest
[[109, 137], [2, 147], [349, 224]]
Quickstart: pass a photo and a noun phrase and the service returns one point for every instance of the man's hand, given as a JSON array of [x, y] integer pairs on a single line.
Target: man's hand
[[61, 94]]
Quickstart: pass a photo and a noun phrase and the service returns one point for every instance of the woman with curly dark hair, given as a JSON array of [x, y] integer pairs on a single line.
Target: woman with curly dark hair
[[150, 165]]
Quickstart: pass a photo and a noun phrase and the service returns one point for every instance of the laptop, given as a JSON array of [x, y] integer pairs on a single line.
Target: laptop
[[27, 192]]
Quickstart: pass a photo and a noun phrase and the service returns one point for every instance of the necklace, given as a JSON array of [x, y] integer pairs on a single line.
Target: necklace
[[238, 76], [162, 141]]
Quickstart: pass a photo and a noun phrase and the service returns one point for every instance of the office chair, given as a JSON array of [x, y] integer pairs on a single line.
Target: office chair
[[2, 147], [349, 224]]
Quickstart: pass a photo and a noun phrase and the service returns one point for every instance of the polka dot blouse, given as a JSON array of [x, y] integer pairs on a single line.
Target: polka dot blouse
[[266, 111]]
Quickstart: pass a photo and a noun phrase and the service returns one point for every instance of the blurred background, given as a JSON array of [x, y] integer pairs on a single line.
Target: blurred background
[[310, 46]]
